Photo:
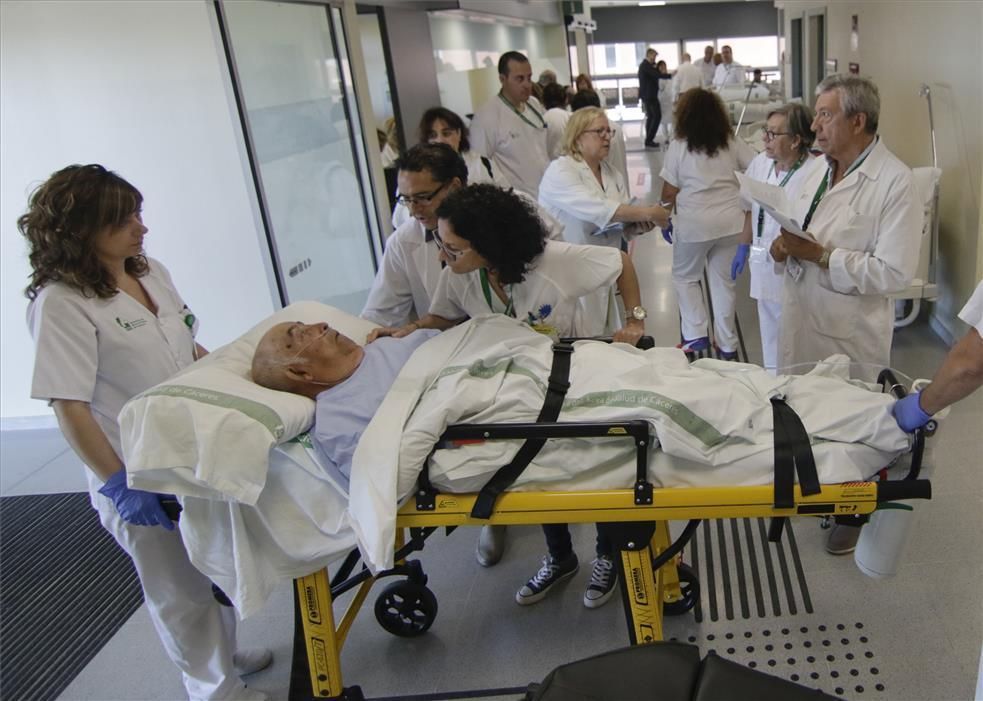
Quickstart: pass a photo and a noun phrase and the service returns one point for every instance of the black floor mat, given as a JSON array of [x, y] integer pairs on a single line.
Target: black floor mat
[[66, 588]]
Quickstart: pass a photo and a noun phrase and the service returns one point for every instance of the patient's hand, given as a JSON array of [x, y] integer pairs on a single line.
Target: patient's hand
[[630, 333], [394, 331]]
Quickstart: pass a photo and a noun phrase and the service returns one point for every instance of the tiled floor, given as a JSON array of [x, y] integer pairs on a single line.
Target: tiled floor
[[925, 626]]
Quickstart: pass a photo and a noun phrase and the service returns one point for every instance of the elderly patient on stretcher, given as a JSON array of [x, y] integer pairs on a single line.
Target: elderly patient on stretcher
[[385, 405]]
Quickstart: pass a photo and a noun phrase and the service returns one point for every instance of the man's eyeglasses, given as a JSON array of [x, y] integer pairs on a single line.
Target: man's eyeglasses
[[606, 133], [423, 198], [452, 254], [772, 135]]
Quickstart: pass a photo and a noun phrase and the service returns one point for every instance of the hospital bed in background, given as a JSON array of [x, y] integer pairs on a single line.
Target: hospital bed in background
[[291, 521]]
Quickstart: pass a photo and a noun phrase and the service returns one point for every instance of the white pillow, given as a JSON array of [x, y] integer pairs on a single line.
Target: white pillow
[[207, 431]]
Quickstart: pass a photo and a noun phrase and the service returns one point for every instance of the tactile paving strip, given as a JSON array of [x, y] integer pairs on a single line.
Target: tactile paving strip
[[836, 658], [742, 574]]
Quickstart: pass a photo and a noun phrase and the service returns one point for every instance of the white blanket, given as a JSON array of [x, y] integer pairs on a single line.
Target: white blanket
[[712, 419]]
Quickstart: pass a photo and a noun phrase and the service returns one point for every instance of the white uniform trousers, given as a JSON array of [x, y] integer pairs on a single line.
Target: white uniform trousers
[[769, 314], [198, 633], [688, 262]]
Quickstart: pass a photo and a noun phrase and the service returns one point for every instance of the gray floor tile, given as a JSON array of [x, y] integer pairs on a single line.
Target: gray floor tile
[[65, 473], [23, 453]]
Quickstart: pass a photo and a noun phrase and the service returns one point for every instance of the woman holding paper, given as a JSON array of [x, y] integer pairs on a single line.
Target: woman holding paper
[[787, 142], [698, 178], [589, 197]]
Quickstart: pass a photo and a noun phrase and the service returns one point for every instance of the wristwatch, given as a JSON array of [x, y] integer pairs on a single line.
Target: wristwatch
[[638, 313], [823, 261]]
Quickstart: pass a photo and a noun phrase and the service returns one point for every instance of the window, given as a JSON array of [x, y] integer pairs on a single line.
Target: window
[[610, 56], [753, 52], [696, 47]]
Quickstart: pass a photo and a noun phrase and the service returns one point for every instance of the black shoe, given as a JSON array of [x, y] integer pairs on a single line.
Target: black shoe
[[651, 144]]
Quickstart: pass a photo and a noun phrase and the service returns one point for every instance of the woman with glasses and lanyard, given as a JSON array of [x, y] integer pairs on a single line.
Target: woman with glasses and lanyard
[[788, 138], [589, 197], [500, 261], [698, 181]]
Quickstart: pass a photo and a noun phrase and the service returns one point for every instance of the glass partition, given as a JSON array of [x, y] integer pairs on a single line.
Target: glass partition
[[288, 73]]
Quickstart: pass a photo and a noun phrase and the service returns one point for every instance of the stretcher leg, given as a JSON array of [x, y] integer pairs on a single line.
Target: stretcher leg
[[321, 644]]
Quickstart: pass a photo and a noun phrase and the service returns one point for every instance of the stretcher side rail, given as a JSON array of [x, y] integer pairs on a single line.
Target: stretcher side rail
[[461, 434]]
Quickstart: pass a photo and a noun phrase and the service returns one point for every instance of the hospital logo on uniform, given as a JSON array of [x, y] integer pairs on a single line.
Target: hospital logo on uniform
[[132, 324]]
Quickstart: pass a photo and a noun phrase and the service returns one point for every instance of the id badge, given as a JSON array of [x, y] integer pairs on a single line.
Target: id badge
[[794, 268], [759, 254]]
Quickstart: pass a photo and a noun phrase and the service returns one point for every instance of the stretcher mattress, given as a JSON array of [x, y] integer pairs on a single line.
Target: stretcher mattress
[[491, 369]]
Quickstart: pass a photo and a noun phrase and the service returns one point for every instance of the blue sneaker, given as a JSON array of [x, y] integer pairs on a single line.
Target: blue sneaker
[[695, 345], [726, 355], [552, 572]]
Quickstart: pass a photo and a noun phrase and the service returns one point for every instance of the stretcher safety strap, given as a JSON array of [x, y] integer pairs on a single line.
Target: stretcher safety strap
[[793, 454], [559, 383]]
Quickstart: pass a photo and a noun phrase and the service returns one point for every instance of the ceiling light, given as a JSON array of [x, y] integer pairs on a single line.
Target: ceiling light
[[652, 3]]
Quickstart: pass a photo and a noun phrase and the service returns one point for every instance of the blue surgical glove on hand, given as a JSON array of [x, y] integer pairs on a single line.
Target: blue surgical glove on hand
[[908, 413], [740, 260], [667, 232], [135, 506]]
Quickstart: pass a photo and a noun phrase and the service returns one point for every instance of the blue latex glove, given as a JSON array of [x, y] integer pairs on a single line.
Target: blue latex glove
[[135, 506], [908, 413], [667, 232], [740, 260]]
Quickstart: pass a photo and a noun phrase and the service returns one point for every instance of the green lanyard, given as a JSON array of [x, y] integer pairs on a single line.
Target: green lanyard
[[486, 288], [824, 186], [761, 212], [522, 116]]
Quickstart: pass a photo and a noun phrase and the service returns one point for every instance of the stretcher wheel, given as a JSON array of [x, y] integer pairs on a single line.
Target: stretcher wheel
[[689, 585], [406, 609]]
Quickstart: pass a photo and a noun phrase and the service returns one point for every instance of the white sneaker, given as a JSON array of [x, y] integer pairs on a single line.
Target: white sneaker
[[251, 660]]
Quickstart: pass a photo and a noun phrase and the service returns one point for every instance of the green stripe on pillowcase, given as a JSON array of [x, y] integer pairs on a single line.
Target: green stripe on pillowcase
[[254, 410]]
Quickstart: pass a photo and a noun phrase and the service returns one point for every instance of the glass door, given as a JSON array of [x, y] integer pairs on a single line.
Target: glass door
[[298, 114]]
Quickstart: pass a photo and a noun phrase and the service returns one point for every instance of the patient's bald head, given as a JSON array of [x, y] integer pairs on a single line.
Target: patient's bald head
[[304, 359]]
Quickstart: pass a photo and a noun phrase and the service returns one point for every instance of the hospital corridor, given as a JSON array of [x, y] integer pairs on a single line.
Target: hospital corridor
[[386, 220]]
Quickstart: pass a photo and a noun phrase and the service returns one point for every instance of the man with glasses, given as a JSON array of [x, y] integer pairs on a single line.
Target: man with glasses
[[511, 127], [404, 285], [863, 221]]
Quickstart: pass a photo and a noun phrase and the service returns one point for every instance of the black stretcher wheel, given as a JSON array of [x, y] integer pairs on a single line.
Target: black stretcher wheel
[[689, 585], [406, 609]]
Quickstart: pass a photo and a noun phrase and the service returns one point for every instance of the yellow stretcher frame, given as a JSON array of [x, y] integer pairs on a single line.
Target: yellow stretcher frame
[[645, 591]]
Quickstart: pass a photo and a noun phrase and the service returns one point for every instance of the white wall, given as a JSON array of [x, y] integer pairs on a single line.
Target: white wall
[[141, 87], [901, 46]]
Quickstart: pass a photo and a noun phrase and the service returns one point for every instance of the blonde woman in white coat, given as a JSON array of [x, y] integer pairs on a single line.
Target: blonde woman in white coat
[[589, 197]]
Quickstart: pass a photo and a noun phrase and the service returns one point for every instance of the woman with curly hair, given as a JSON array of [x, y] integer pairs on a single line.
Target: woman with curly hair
[[499, 261], [108, 324], [699, 183]]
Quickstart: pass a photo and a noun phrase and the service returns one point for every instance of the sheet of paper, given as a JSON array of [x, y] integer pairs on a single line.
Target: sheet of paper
[[773, 200]]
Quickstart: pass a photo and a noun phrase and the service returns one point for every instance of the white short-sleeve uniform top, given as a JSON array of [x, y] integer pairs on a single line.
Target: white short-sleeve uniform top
[[766, 281], [708, 205], [572, 195], [972, 313], [405, 282], [477, 173], [548, 298], [516, 142], [556, 124], [728, 74], [106, 351]]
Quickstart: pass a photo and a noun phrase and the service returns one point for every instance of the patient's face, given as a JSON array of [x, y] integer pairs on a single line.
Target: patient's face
[[317, 351]]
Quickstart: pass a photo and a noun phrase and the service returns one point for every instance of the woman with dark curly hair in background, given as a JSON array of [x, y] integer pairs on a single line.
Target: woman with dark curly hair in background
[[699, 183], [108, 324], [500, 261]]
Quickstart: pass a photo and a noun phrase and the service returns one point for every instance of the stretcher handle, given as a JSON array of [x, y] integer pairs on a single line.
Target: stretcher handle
[[644, 343], [895, 490], [889, 381]]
